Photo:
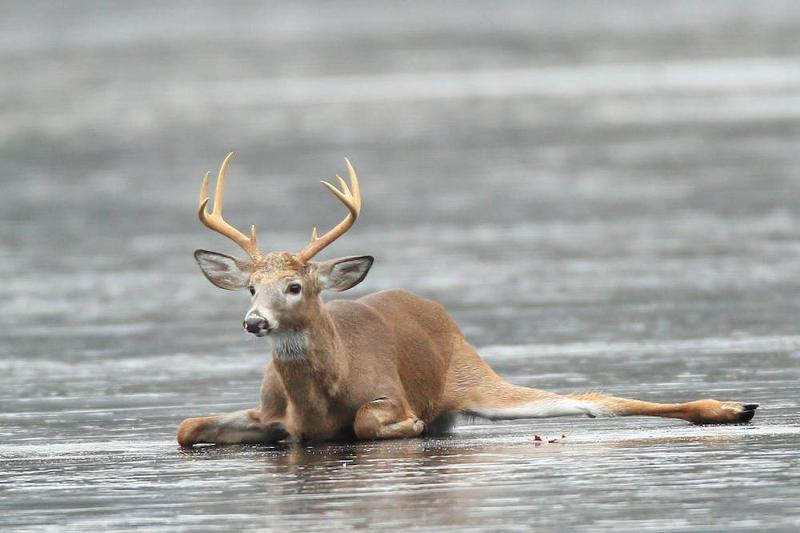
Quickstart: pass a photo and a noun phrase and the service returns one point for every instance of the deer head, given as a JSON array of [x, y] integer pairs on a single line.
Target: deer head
[[285, 287]]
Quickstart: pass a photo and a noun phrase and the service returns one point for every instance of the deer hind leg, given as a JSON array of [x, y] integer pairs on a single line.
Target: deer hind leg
[[697, 412], [385, 418], [239, 427], [503, 401], [474, 388]]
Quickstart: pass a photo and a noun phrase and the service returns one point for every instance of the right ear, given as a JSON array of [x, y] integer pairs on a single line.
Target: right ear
[[224, 271]]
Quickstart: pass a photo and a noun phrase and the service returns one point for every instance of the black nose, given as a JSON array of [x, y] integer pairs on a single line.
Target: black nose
[[255, 323]]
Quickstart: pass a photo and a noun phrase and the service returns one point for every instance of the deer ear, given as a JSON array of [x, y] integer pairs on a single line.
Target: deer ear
[[224, 271], [343, 273]]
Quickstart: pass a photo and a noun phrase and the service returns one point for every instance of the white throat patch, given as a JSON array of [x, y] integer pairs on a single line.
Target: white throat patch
[[289, 345]]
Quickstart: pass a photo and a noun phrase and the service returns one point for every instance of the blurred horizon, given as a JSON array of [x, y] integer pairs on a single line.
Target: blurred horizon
[[603, 195]]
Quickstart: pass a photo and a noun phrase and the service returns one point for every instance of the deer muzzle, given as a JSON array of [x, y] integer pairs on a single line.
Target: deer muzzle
[[256, 324]]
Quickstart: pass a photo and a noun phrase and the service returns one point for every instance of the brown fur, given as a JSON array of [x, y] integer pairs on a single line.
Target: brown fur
[[388, 365]]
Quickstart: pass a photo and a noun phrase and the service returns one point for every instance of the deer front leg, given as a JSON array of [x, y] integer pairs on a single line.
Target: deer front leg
[[239, 427], [384, 418]]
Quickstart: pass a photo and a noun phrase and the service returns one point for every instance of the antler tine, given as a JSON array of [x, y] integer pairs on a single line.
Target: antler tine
[[354, 180], [214, 220], [351, 198]]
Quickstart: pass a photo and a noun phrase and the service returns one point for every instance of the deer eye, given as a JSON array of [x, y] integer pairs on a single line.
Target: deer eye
[[252, 290], [294, 288]]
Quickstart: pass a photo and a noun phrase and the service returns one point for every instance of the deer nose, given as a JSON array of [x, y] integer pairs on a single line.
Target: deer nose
[[255, 323]]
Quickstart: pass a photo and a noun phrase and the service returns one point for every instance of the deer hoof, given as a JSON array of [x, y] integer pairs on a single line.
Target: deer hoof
[[716, 412], [748, 412], [417, 425]]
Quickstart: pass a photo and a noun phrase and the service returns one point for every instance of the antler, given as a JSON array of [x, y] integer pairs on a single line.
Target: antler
[[214, 220], [351, 198]]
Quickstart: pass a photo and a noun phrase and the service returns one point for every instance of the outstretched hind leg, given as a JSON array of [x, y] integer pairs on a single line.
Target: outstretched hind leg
[[474, 388], [505, 401], [697, 412], [384, 418]]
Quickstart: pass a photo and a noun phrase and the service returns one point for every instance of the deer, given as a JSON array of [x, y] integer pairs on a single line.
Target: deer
[[388, 365]]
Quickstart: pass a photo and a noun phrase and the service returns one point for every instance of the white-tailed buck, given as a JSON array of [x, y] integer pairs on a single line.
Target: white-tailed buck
[[388, 365]]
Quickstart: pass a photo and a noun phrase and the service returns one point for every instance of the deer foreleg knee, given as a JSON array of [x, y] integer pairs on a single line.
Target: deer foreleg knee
[[386, 419], [194, 431]]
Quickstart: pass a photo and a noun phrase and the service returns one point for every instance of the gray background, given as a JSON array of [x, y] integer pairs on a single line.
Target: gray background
[[604, 196]]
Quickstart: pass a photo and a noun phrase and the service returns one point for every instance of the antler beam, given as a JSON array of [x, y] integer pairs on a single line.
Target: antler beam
[[351, 198], [214, 220]]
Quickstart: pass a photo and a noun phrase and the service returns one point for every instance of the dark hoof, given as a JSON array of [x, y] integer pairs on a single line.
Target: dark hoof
[[749, 411]]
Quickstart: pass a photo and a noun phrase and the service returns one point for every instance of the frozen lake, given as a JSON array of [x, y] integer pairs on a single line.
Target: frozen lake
[[603, 196]]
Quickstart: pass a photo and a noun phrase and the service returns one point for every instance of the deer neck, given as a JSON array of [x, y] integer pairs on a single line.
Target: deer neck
[[309, 360]]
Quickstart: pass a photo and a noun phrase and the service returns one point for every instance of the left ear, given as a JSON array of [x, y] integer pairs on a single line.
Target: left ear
[[343, 273]]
